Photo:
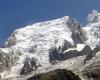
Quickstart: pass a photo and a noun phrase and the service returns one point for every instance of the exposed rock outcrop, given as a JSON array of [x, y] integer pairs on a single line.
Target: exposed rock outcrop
[[55, 55], [30, 64], [6, 60], [11, 41], [60, 74], [92, 69], [50, 45]]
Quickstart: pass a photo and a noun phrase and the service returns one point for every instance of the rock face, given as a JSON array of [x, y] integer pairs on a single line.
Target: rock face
[[60, 74], [11, 40], [77, 34], [92, 69], [6, 59], [29, 66], [50, 45], [55, 55]]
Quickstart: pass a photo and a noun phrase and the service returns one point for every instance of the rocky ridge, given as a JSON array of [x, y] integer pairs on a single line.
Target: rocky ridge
[[51, 45]]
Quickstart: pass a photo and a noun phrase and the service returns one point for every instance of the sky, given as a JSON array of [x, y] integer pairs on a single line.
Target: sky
[[15, 14]]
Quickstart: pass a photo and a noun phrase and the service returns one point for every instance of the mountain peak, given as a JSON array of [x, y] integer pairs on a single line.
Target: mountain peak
[[94, 17], [65, 23], [46, 46]]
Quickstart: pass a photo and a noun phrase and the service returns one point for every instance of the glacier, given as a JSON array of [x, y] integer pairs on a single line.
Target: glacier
[[46, 46]]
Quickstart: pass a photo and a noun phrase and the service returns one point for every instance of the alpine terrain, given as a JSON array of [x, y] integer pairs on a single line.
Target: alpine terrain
[[60, 47]]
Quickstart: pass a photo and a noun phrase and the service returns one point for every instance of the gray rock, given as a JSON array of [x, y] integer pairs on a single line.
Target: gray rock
[[92, 71], [55, 55], [11, 41], [5, 61], [30, 64]]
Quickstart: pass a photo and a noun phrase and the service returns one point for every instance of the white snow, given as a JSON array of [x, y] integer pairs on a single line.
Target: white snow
[[93, 34], [38, 38], [5, 50], [79, 47]]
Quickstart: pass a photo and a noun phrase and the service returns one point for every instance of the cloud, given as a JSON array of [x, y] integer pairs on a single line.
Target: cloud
[[92, 15]]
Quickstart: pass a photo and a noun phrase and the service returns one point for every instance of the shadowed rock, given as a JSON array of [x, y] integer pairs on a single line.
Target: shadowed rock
[[92, 71], [55, 55], [92, 53], [30, 65], [60, 74]]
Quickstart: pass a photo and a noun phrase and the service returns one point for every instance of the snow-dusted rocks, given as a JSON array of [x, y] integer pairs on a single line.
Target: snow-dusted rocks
[[36, 40], [93, 30], [50, 45], [7, 59], [91, 71], [41, 40]]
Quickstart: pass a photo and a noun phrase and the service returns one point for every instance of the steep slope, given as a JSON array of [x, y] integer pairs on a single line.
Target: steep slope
[[91, 71], [50, 45], [93, 30], [60, 74], [44, 44]]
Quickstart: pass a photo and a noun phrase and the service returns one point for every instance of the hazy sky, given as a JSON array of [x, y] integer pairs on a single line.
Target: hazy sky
[[18, 13]]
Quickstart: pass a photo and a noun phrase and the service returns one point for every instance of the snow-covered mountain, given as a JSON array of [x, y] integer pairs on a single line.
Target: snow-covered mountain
[[50, 45]]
